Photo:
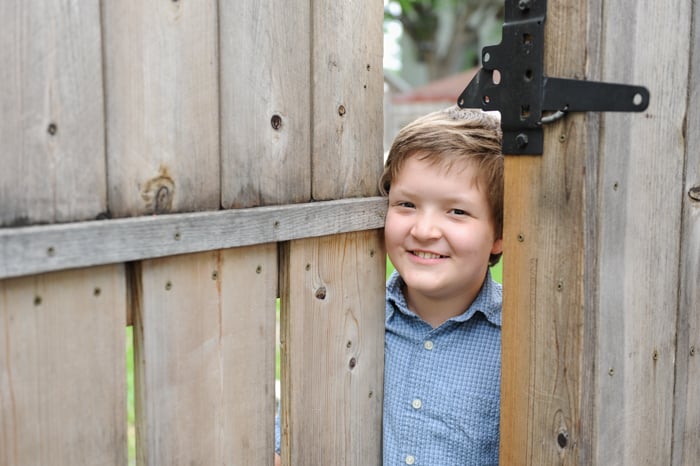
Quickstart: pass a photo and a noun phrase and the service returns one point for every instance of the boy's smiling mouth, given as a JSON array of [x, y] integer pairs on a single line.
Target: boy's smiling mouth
[[427, 255]]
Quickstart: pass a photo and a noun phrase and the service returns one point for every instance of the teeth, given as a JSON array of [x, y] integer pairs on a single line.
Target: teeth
[[427, 255]]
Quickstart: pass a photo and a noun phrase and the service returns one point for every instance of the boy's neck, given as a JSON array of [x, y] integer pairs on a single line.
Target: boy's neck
[[436, 311]]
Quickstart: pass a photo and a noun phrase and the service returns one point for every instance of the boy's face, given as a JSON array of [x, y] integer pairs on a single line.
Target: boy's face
[[438, 231]]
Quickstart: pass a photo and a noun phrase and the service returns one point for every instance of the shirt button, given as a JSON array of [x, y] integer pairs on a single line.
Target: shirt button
[[428, 345], [410, 459], [416, 403]]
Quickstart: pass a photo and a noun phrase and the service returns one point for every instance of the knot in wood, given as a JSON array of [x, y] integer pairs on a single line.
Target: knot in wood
[[321, 293]]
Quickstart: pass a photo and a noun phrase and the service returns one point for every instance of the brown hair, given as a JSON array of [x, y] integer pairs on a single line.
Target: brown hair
[[455, 136]]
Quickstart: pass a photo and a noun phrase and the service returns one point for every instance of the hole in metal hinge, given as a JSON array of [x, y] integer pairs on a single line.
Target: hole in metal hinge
[[527, 39], [487, 99], [524, 112], [528, 75], [637, 99], [496, 77]]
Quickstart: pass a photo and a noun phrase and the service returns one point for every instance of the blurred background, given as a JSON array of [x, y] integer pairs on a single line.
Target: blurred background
[[431, 52]]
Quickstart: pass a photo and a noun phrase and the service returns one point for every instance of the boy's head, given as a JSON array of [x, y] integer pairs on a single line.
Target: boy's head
[[453, 139]]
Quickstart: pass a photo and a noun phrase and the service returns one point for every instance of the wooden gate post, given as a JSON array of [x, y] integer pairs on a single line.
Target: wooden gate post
[[592, 247]]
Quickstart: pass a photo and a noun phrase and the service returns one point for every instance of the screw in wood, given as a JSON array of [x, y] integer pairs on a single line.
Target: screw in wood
[[341, 110], [276, 122], [52, 129]]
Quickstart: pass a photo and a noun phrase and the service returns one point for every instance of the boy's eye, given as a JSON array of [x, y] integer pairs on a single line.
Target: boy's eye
[[459, 212], [408, 205]]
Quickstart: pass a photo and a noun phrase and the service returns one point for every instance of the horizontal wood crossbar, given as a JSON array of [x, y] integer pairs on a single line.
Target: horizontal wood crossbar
[[45, 248]]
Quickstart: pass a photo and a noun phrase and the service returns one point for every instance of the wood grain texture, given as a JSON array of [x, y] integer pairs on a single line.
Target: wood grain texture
[[62, 369], [204, 352], [332, 337], [265, 102], [52, 112], [161, 65], [347, 82], [640, 193], [28, 250], [543, 313], [686, 426]]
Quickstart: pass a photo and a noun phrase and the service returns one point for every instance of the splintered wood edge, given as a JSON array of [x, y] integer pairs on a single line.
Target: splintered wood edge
[[46, 248]]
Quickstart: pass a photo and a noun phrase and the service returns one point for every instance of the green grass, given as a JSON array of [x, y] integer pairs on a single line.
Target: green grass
[[130, 411]]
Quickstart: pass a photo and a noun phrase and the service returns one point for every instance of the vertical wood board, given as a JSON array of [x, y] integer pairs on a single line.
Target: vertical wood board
[[686, 434], [640, 192], [348, 85], [51, 112], [265, 102], [332, 338], [248, 299], [62, 368], [161, 84], [204, 351], [544, 224]]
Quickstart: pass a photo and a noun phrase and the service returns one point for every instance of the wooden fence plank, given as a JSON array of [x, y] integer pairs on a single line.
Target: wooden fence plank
[[204, 351], [544, 224], [161, 85], [641, 186], [52, 155], [332, 340], [62, 369], [265, 102], [686, 435], [347, 82], [30, 250], [248, 299]]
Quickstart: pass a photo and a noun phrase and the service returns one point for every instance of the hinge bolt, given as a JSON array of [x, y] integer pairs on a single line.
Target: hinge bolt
[[521, 140], [524, 5]]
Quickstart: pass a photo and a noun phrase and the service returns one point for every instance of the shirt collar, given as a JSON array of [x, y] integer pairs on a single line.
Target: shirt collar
[[488, 301]]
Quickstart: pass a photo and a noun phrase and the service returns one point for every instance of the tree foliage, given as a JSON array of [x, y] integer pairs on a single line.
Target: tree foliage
[[446, 34]]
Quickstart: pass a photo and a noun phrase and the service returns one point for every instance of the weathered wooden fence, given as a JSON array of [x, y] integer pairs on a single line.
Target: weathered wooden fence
[[602, 252], [177, 165], [159, 161]]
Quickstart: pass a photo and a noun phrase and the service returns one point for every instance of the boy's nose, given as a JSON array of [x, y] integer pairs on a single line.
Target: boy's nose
[[425, 227]]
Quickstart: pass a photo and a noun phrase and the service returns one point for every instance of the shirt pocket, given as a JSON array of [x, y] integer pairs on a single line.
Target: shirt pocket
[[474, 421]]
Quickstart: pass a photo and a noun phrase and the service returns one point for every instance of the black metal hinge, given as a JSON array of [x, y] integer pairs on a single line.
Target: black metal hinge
[[512, 81]]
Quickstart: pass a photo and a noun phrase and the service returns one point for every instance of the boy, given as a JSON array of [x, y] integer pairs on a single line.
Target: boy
[[444, 180]]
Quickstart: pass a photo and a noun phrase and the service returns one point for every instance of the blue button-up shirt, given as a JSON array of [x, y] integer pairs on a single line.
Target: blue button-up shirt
[[442, 385]]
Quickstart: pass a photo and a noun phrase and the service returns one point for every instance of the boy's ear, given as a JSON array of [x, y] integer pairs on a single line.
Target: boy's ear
[[497, 246]]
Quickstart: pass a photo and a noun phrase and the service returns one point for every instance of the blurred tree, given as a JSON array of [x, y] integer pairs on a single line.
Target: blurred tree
[[442, 37]]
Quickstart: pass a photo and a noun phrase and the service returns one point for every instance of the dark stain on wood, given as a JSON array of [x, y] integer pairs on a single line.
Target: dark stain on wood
[[158, 193]]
